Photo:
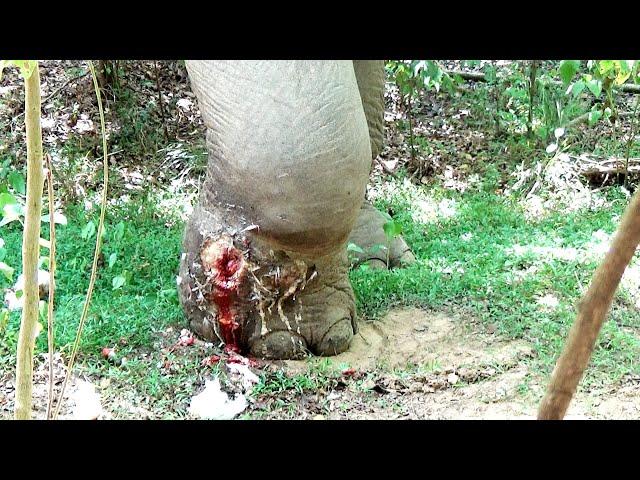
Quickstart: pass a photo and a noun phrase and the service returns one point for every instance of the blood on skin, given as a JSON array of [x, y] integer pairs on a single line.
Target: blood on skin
[[224, 264]]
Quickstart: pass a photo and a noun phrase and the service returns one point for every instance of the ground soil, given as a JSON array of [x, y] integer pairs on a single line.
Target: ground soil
[[470, 374], [412, 364]]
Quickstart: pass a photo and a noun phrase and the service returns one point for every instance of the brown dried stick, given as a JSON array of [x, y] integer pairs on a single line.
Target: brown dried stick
[[592, 312]]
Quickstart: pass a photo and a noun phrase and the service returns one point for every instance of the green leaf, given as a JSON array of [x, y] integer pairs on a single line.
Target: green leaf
[[490, 73], [4, 319], [605, 66], [11, 212], [594, 116], [118, 282], [392, 229], [17, 182], [352, 247], [595, 87], [118, 233], [568, 68], [6, 270], [433, 70], [7, 199], [42, 309], [417, 66], [88, 231], [622, 77], [577, 88], [114, 256], [26, 67]]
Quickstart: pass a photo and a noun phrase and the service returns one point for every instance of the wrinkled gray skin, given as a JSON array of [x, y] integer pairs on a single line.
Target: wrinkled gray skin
[[290, 146]]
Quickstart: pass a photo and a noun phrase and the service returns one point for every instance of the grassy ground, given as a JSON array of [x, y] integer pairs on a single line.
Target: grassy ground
[[466, 261], [479, 252], [147, 253], [483, 255]]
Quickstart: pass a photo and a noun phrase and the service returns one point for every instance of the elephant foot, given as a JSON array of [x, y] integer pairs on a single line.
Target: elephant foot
[[368, 234], [239, 290], [312, 339], [336, 339], [280, 345], [314, 315]]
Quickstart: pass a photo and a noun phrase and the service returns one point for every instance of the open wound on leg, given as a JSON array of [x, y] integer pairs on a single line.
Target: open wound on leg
[[244, 288], [225, 270]]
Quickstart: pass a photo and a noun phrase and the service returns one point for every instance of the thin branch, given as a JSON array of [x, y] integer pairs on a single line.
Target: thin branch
[[585, 116], [64, 85], [52, 276], [94, 267], [30, 248], [592, 312], [630, 141]]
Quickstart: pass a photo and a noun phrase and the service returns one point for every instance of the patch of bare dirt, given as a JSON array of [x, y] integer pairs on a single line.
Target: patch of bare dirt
[[453, 370], [414, 337]]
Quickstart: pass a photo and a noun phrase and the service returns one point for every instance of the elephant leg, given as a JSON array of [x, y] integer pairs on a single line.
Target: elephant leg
[[368, 234], [368, 231], [309, 316], [370, 76], [264, 267]]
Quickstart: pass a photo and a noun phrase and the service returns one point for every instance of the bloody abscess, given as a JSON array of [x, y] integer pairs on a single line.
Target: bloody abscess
[[224, 264]]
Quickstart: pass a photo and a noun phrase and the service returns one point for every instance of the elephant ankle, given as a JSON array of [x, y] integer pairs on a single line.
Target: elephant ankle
[[274, 304], [369, 235]]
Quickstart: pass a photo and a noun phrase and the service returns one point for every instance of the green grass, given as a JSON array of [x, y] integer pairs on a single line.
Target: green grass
[[466, 261], [318, 376], [147, 255]]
